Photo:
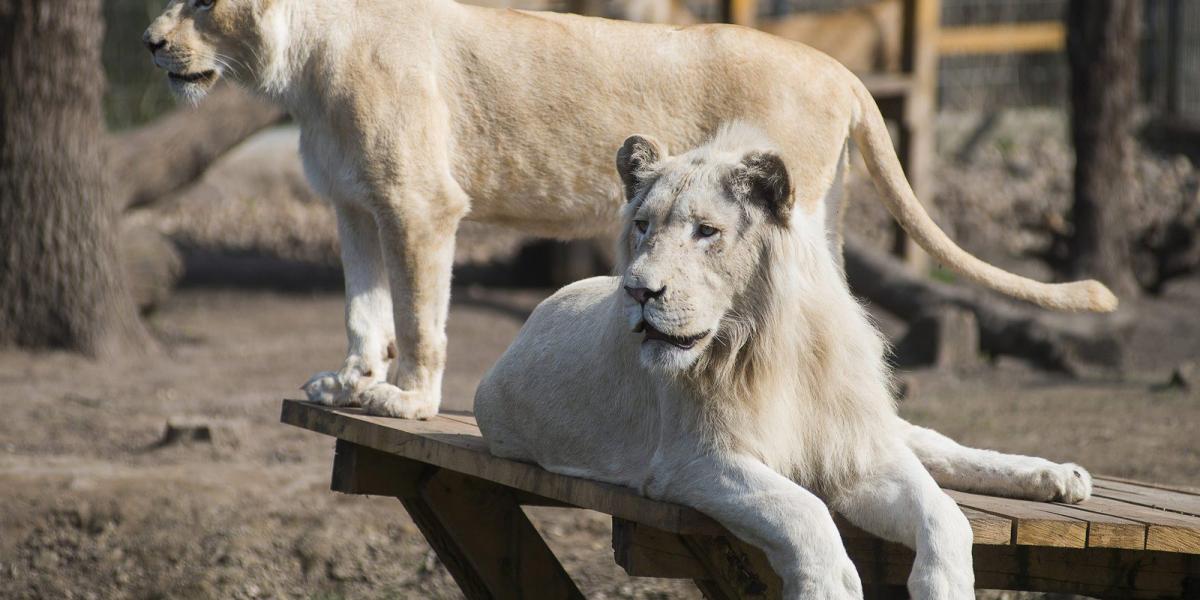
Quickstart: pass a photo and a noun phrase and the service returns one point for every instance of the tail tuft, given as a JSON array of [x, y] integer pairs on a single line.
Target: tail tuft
[[1096, 296]]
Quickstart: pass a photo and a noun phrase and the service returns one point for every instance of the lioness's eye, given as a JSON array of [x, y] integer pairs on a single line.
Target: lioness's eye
[[706, 231], [204, 3], [641, 225]]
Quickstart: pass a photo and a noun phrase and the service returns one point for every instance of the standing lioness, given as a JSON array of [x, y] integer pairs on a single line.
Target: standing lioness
[[417, 113]]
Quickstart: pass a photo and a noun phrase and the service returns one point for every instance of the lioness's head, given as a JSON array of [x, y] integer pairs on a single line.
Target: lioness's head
[[198, 41], [697, 229]]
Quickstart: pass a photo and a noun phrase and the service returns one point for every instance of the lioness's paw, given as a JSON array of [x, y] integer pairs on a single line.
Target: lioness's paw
[[387, 400], [327, 388], [343, 387]]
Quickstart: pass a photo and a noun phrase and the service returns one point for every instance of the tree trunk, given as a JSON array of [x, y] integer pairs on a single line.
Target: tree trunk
[[61, 283], [1102, 47]]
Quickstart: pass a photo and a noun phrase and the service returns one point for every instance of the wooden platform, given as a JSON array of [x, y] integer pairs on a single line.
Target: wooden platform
[[1131, 540]]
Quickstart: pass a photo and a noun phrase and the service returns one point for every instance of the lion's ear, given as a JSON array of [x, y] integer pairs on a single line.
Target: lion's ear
[[763, 178], [635, 162]]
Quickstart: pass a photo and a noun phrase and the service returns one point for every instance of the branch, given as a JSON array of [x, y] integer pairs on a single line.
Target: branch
[[154, 160], [1062, 342]]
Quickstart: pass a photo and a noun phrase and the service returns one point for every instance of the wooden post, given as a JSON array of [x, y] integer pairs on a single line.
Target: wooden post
[[480, 533], [916, 139], [740, 12]]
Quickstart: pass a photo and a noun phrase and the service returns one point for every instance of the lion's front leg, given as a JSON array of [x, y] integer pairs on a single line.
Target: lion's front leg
[[790, 524], [989, 472], [899, 501], [369, 330]]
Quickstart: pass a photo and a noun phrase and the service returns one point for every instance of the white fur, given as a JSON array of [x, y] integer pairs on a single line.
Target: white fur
[[778, 415]]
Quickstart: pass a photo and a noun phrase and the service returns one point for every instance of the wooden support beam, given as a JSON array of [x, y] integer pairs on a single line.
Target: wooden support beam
[[486, 542], [1011, 38]]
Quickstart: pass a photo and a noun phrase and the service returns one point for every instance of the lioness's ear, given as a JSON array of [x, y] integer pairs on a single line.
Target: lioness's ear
[[635, 160], [763, 178]]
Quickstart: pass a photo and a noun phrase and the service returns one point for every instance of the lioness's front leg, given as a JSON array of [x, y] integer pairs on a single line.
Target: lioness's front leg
[[369, 328], [417, 228], [791, 525]]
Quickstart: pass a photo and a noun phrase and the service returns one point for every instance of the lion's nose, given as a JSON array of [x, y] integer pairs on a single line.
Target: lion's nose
[[644, 295], [152, 43]]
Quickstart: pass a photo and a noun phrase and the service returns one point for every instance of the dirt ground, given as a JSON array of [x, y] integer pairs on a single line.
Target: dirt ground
[[91, 506]]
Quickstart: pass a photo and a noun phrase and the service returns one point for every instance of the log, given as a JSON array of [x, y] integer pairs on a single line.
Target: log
[[152, 161], [151, 263], [1073, 344]]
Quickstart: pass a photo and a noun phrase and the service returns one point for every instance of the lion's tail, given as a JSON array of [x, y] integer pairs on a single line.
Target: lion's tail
[[870, 133]]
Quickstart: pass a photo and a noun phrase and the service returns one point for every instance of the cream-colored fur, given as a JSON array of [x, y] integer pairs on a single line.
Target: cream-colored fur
[[416, 114], [767, 404]]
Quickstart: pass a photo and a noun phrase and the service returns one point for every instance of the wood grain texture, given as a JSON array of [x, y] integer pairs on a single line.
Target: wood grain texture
[[1033, 524], [452, 441], [1184, 503]]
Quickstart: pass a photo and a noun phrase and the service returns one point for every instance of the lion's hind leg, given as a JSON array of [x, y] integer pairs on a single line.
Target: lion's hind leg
[[958, 467]]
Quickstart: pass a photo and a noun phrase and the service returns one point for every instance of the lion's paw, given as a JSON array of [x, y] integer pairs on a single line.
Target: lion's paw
[[1073, 483], [387, 400], [839, 582]]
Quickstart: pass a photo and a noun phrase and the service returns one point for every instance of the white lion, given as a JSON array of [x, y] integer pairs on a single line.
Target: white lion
[[728, 368], [415, 114]]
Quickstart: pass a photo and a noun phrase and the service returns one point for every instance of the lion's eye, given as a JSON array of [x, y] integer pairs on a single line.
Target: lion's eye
[[642, 225], [706, 231], [203, 4]]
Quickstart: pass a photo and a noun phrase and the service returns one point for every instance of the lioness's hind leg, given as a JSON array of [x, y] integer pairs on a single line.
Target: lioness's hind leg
[[966, 469], [369, 328]]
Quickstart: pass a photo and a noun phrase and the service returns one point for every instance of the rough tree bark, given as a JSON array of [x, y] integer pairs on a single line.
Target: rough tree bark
[[61, 283], [1102, 48]]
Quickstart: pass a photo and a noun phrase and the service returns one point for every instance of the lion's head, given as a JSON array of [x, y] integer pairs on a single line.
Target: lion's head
[[698, 230], [199, 41]]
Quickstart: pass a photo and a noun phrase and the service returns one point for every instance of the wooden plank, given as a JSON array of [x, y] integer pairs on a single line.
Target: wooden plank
[[1047, 36], [1033, 524], [1183, 503], [1096, 572], [455, 445], [989, 529], [887, 85], [1182, 489], [362, 470], [735, 569], [644, 551], [1166, 531]]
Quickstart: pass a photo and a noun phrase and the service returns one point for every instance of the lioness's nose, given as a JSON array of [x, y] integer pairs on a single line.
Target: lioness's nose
[[644, 295], [152, 43]]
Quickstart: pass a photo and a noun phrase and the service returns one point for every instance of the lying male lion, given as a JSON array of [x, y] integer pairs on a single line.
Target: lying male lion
[[417, 113], [728, 368]]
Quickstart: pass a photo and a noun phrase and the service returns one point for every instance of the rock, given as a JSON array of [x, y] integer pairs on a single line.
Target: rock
[[1186, 376], [187, 430], [946, 337]]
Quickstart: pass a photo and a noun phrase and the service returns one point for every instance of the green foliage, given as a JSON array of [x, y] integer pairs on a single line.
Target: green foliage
[[940, 273], [137, 91]]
